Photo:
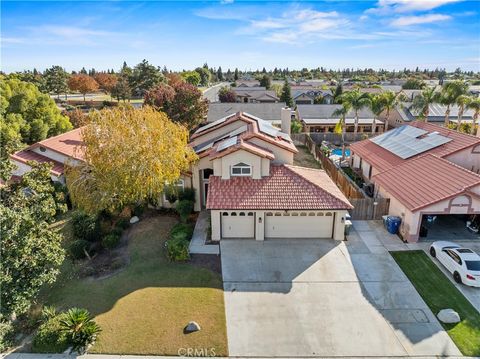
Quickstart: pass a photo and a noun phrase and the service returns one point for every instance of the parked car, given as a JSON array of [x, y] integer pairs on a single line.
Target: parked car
[[462, 262]]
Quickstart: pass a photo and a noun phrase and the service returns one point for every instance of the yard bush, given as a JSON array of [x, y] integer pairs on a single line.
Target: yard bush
[[139, 209], [110, 241], [86, 227], [171, 194], [6, 335], [177, 250], [79, 327], [50, 338], [187, 194], [78, 248], [181, 231], [123, 223], [184, 209]]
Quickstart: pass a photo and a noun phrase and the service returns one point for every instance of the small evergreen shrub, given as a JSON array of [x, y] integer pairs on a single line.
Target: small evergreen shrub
[[184, 209], [187, 194], [86, 227], [78, 248], [181, 231], [177, 250], [110, 241], [123, 223], [139, 209], [50, 338]]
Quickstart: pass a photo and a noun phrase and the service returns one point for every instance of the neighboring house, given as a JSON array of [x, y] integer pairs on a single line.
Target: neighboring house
[[270, 112], [425, 170], [57, 150], [246, 179], [255, 95], [405, 114], [307, 97], [248, 83], [320, 118]]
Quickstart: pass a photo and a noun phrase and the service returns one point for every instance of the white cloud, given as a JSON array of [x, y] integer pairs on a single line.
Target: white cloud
[[401, 6], [420, 19], [225, 2]]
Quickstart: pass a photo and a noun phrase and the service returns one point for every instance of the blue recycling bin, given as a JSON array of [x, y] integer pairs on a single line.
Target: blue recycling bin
[[393, 224]]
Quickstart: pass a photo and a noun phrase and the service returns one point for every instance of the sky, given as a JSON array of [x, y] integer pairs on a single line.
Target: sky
[[249, 35]]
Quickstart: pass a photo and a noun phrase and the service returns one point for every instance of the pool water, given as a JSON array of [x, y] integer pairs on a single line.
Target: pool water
[[338, 152]]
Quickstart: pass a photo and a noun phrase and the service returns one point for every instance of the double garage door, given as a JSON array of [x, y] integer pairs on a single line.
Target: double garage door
[[279, 224]]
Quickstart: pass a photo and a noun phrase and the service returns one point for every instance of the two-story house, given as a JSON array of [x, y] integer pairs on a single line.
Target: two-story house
[[245, 176]]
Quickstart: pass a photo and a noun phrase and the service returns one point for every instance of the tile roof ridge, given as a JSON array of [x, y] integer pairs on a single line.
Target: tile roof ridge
[[59, 135], [291, 169]]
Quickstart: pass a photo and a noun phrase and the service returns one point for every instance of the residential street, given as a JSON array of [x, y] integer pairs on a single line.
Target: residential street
[[294, 298], [211, 94]]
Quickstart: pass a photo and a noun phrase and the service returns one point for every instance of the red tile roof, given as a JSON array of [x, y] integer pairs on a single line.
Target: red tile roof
[[383, 160], [28, 155], [286, 188], [426, 180], [69, 144]]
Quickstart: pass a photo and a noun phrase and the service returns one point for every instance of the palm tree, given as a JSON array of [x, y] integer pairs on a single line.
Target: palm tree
[[474, 105], [357, 101], [462, 102], [423, 101], [377, 105], [342, 112], [391, 100], [449, 94]]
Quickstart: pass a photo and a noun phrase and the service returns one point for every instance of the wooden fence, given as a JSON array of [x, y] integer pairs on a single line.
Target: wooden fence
[[369, 208], [365, 208]]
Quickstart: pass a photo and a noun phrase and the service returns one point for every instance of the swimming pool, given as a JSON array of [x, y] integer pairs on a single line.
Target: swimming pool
[[338, 152]]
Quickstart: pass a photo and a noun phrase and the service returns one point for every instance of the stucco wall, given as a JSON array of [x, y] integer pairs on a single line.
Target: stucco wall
[[281, 155], [22, 168], [241, 156], [468, 158]]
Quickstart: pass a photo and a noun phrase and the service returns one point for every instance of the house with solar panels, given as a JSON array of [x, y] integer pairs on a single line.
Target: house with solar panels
[[246, 178], [429, 173]]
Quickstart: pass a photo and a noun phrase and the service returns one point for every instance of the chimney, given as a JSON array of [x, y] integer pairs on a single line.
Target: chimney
[[286, 117]]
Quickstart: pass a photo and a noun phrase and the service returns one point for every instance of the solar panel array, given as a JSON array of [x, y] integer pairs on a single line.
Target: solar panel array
[[227, 143], [409, 141]]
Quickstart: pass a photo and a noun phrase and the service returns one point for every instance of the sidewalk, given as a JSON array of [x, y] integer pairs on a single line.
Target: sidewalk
[[197, 244]]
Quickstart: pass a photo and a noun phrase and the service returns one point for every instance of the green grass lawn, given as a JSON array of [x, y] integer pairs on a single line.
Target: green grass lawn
[[144, 308], [439, 293], [305, 159]]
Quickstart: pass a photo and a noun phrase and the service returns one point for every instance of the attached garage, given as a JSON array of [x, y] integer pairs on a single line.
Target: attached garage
[[238, 224], [299, 224]]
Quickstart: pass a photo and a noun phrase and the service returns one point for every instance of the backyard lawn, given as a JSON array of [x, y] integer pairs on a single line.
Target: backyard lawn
[[305, 159], [439, 293], [144, 308]]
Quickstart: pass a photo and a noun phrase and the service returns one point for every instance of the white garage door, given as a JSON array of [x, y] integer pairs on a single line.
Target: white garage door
[[299, 225], [236, 224]]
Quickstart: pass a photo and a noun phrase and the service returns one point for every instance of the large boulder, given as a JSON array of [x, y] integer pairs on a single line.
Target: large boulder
[[192, 327], [448, 316]]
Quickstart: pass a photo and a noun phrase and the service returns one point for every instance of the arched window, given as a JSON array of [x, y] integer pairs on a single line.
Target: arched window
[[303, 214], [269, 214], [311, 214], [241, 169], [250, 213], [233, 214], [295, 214], [242, 214], [225, 214], [328, 214], [278, 214], [320, 214]]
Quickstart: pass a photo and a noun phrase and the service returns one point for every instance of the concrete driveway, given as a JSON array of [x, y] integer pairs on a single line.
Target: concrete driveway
[[291, 298]]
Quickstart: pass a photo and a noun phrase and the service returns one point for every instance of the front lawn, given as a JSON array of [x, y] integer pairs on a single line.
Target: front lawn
[[439, 293], [305, 159], [144, 308]]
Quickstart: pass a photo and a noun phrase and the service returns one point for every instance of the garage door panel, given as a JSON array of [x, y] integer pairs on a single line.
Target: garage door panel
[[307, 226], [238, 226]]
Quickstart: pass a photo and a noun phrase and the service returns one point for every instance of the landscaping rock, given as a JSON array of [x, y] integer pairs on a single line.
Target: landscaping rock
[[134, 219], [448, 316], [192, 327]]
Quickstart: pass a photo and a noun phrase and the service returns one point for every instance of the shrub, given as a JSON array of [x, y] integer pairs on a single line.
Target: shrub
[[6, 335], [184, 208], [177, 250], [48, 312], [110, 241], [139, 209], [50, 338], [187, 194], [171, 194], [78, 248], [86, 227], [80, 328], [123, 223], [181, 231]]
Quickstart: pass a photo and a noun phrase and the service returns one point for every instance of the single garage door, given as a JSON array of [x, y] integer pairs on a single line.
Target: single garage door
[[299, 224], [238, 224]]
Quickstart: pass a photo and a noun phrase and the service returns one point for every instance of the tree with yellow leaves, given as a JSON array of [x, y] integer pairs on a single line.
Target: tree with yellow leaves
[[129, 155]]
